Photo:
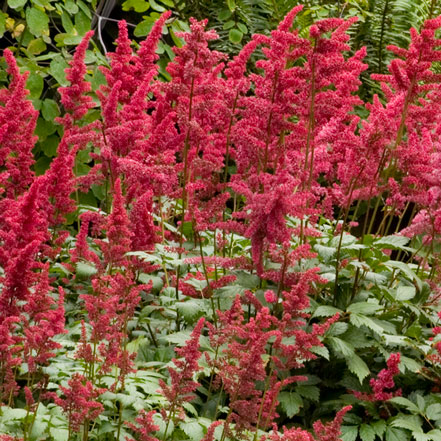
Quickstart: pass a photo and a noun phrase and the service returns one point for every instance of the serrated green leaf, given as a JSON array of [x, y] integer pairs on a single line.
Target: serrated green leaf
[[340, 347], [405, 422], [367, 433], [325, 252], [310, 392], [401, 401], [359, 320], [363, 308], [379, 427], [433, 412], [349, 433], [291, 403], [405, 293], [37, 21], [193, 430], [85, 270], [191, 310], [395, 434], [358, 367], [392, 242], [320, 350], [60, 434], [326, 311], [435, 434], [404, 268]]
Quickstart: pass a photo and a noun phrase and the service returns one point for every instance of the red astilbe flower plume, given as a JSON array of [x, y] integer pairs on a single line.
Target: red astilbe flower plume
[[292, 434], [182, 383], [331, 431], [60, 181], [109, 308], [79, 402], [144, 426], [144, 231], [384, 381], [10, 357], [23, 232], [73, 97], [42, 323], [400, 138], [118, 231], [18, 119]]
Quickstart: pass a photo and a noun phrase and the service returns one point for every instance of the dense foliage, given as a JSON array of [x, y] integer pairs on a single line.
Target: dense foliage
[[217, 246]]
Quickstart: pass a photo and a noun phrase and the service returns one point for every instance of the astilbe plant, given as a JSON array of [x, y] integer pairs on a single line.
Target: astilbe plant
[[227, 155]]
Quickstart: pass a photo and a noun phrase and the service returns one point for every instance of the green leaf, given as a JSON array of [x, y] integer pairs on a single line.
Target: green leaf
[[405, 268], [435, 434], [37, 21], [363, 308], [320, 350], [36, 46], [231, 5], [367, 433], [401, 401], [143, 28], [325, 252], [136, 5], [392, 242], [340, 347], [193, 430], [3, 18], [358, 367], [82, 22], [235, 36], [71, 7], [15, 4], [407, 422], [156, 7], [394, 434], [433, 412], [59, 434], [56, 69], [191, 310], [379, 427], [310, 392], [242, 28], [291, 403], [35, 85], [85, 270], [49, 109], [325, 311], [50, 145], [224, 14], [349, 433], [359, 320], [405, 293]]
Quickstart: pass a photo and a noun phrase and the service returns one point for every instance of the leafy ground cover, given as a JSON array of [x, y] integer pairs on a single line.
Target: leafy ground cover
[[248, 250]]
